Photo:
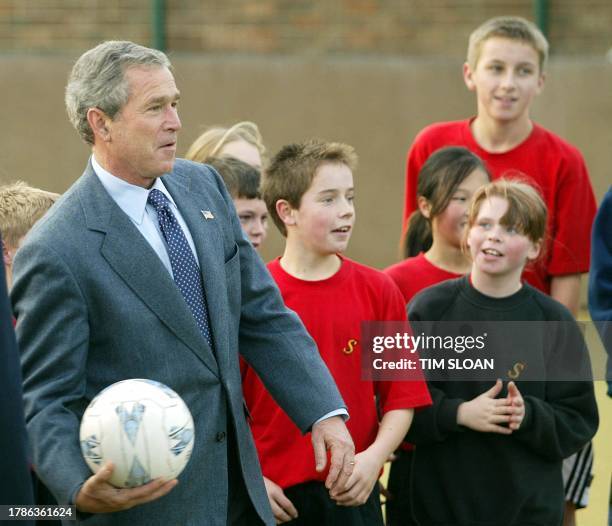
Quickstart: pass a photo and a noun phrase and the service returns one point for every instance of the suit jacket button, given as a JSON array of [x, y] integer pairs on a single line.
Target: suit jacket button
[[220, 436]]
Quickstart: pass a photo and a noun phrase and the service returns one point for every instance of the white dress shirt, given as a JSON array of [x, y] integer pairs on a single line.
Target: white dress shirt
[[132, 200]]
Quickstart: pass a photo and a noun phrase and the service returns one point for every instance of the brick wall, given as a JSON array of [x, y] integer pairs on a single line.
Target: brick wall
[[389, 27], [306, 27], [62, 25]]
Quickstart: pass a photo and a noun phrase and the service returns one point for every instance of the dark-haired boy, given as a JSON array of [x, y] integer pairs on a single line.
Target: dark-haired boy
[[308, 189], [243, 181]]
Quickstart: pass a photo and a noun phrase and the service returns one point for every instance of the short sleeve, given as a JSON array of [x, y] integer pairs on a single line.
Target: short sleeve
[[399, 394], [575, 209]]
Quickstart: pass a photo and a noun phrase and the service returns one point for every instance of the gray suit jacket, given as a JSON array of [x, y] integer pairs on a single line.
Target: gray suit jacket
[[95, 305]]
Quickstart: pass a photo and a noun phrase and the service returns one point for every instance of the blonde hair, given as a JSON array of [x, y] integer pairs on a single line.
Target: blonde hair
[[293, 168], [526, 212], [20, 207], [512, 28], [212, 141]]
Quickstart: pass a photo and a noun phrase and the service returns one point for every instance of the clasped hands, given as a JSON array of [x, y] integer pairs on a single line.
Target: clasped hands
[[488, 414]]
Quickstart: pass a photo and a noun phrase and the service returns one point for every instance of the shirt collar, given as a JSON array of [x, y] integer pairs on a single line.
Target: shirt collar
[[130, 198]]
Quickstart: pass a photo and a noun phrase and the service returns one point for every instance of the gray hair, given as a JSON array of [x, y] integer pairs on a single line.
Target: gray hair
[[97, 80]]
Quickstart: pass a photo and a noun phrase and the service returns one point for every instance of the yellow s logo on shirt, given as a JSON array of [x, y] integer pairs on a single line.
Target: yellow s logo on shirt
[[350, 347], [516, 371]]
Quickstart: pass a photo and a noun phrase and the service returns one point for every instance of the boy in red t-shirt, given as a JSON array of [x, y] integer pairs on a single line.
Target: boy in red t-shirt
[[505, 68], [308, 190]]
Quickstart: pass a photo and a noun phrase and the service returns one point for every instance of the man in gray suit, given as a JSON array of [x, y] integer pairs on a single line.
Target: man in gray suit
[[141, 271]]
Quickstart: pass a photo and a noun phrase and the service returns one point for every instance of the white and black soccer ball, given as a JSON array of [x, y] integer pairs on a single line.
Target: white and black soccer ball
[[143, 427]]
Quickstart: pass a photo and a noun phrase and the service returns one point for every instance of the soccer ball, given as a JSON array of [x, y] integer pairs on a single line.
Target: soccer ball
[[143, 427]]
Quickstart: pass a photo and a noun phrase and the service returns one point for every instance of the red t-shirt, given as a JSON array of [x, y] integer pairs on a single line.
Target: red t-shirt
[[554, 166], [332, 310], [414, 274]]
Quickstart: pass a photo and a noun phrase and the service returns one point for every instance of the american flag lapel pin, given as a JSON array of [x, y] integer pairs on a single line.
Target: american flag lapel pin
[[207, 214]]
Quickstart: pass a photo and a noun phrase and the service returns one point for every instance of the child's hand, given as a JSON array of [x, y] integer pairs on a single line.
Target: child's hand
[[516, 401], [282, 508], [485, 413], [361, 482]]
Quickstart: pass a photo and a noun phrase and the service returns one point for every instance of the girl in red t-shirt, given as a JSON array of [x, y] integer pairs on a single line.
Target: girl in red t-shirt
[[432, 242]]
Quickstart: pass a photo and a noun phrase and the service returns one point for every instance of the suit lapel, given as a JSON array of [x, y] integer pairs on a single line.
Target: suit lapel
[[135, 261]]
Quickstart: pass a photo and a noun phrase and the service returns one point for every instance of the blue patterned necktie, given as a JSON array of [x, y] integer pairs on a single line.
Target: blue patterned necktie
[[184, 266]]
